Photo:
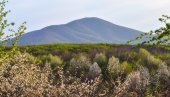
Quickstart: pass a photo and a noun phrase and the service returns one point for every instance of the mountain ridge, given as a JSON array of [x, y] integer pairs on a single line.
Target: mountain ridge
[[84, 30]]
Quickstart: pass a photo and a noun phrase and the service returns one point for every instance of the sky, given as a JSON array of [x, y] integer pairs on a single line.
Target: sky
[[137, 14]]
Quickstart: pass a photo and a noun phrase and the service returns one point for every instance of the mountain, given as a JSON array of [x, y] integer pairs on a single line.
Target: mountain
[[86, 30]]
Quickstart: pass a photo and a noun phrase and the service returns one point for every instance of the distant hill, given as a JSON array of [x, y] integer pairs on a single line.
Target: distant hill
[[86, 30]]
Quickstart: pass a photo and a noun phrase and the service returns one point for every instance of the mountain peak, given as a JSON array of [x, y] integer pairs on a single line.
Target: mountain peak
[[88, 19], [84, 30]]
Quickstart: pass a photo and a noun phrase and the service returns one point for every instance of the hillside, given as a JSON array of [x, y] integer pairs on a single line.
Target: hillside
[[86, 30]]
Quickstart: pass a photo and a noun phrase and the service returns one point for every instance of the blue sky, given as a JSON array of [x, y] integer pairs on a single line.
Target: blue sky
[[138, 14]]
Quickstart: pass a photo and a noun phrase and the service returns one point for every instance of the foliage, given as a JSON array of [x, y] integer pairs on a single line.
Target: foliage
[[4, 27], [22, 75], [80, 65], [94, 71], [101, 60], [136, 82], [164, 75], [149, 60], [126, 67], [33, 59], [54, 61], [117, 69], [114, 65], [165, 57], [160, 36], [20, 78], [114, 68]]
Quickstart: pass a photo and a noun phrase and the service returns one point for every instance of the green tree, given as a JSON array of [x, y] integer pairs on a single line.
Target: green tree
[[160, 36], [5, 27]]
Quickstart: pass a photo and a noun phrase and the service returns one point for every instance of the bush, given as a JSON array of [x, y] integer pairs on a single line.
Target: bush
[[149, 61], [20, 78], [101, 60], [136, 82], [117, 69], [127, 68], [33, 59], [131, 56], [80, 65], [94, 71], [54, 61], [165, 57], [113, 65], [164, 76]]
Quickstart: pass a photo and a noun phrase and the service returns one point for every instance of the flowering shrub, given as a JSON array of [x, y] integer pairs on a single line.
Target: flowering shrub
[[136, 82], [19, 78]]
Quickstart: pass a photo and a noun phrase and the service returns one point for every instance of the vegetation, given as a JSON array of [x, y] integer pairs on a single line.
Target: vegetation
[[82, 76], [66, 52], [160, 36], [81, 70], [6, 26]]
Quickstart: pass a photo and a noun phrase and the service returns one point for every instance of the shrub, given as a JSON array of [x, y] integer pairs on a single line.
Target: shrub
[[136, 82], [33, 59], [101, 60], [80, 65], [20, 78], [131, 56], [164, 76], [113, 65], [94, 71], [165, 57], [127, 68], [149, 61], [54, 61], [117, 69]]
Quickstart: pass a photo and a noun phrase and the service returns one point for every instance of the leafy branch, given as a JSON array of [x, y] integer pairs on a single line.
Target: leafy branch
[[160, 36], [4, 27]]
